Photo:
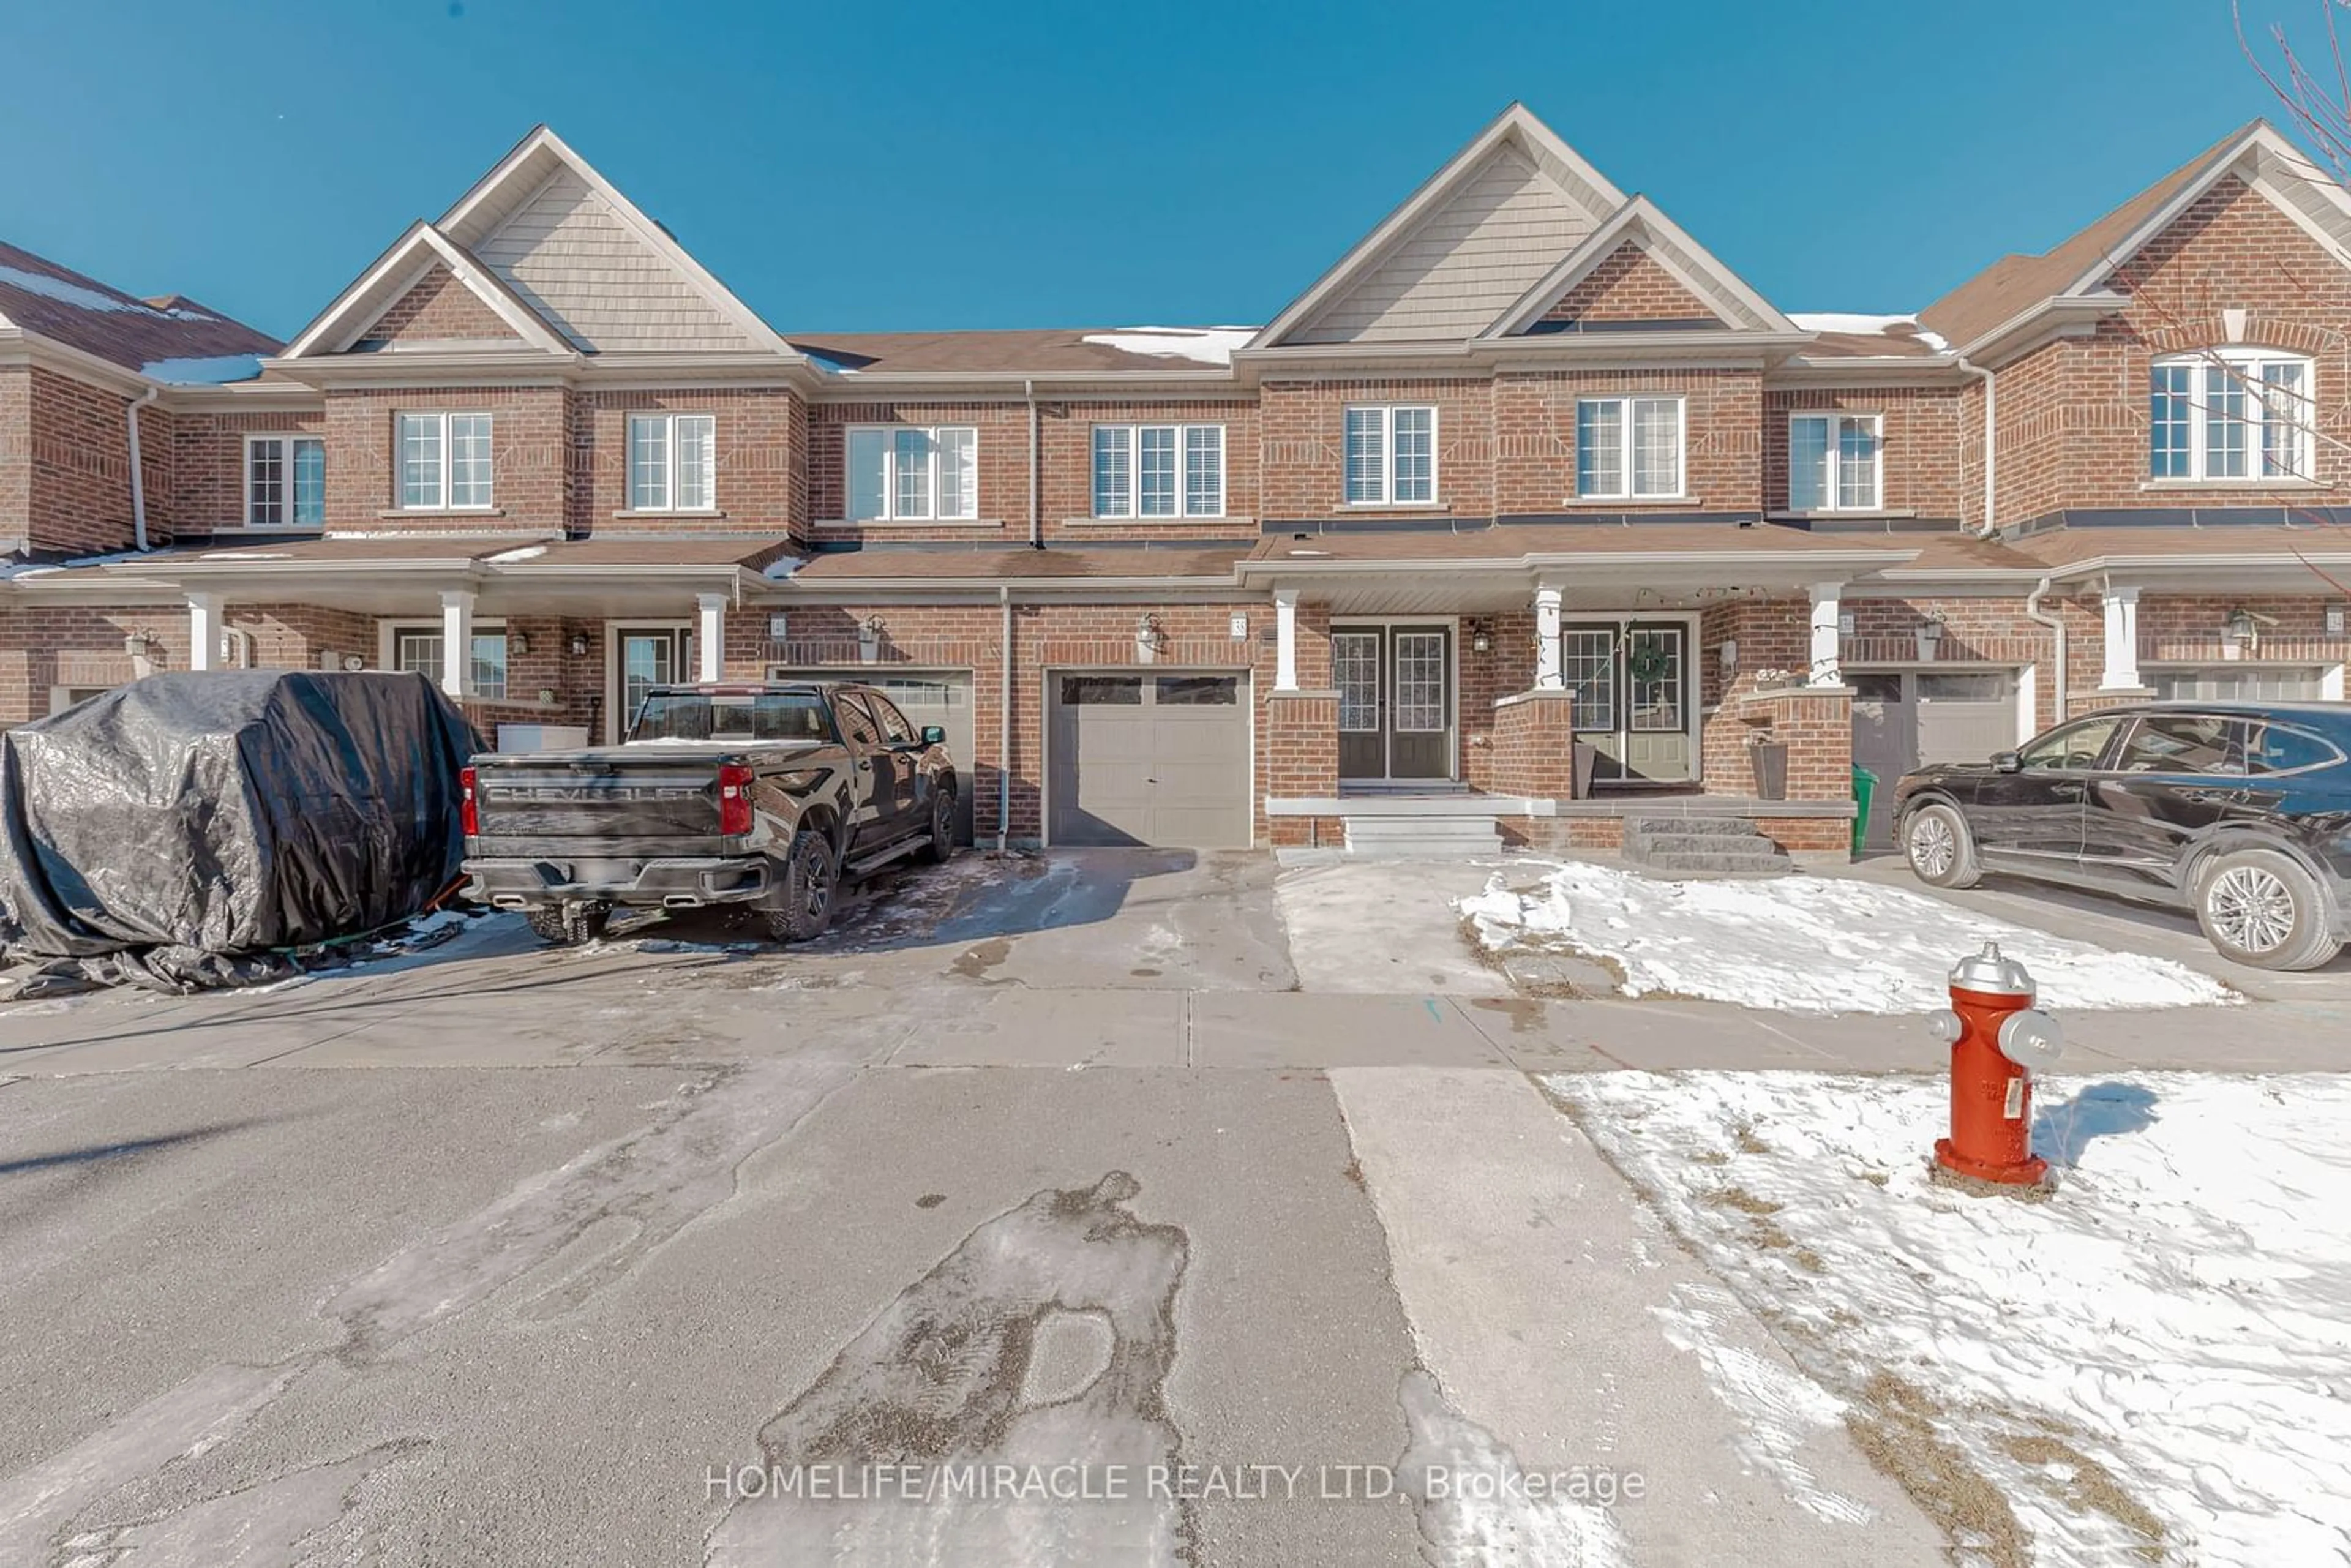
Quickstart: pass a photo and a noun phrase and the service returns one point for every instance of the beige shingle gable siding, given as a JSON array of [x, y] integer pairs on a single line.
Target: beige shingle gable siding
[[584, 268], [1464, 263]]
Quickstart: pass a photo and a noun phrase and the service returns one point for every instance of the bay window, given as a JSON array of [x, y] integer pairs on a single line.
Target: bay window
[[1835, 463], [909, 473], [285, 482], [1159, 470], [1629, 447], [672, 461], [2229, 413]]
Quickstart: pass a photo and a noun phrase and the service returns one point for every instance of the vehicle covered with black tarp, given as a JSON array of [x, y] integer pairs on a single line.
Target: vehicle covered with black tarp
[[191, 829]]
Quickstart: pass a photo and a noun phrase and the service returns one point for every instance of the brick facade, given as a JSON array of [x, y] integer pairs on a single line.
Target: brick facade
[[439, 308], [1629, 284]]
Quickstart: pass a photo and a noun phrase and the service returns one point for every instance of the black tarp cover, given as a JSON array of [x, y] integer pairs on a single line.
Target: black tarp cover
[[176, 830]]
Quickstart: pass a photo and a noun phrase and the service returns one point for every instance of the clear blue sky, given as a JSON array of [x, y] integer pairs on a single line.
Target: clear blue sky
[[850, 166]]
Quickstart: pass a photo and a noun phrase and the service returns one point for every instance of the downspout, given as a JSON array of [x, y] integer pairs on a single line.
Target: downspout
[[138, 470], [1036, 495], [1004, 726], [1992, 459], [2056, 624]]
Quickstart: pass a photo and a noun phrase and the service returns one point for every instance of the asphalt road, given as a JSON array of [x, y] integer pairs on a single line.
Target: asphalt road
[[1113, 1227]]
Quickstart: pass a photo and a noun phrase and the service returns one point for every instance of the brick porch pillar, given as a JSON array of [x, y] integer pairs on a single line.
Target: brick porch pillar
[[1301, 757], [1815, 723], [1534, 744]]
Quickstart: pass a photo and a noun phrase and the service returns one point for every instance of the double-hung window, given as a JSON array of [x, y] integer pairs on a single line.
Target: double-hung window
[[1159, 470], [419, 651], [1629, 447], [672, 461], [285, 482], [444, 462], [913, 474], [2229, 413], [1391, 455], [1833, 463]]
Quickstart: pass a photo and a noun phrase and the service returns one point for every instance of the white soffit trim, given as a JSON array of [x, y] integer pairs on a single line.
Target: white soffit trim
[[1516, 122], [400, 270], [534, 160], [2270, 165]]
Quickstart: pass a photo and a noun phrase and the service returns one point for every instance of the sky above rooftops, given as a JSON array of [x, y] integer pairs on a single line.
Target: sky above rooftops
[[919, 166]]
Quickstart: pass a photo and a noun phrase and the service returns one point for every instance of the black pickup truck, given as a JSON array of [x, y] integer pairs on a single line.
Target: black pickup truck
[[764, 796]]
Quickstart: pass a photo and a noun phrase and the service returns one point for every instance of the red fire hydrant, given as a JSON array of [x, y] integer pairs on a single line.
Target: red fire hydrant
[[1998, 1040]]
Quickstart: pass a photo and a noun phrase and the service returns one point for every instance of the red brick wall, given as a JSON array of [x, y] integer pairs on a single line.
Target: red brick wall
[[1919, 436], [1003, 427], [16, 456], [76, 647], [207, 486], [1304, 445], [531, 458], [762, 439], [1300, 746], [1534, 445], [1630, 285], [66, 474], [1533, 745], [1067, 448], [439, 308]]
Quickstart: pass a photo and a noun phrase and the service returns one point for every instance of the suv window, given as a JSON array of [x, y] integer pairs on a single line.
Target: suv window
[[855, 722], [2076, 747], [894, 727], [2184, 743], [2279, 751]]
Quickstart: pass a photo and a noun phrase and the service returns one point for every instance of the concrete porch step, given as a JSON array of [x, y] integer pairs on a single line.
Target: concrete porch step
[[1701, 846], [1400, 838]]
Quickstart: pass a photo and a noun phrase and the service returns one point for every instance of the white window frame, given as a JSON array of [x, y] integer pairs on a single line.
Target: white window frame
[[2244, 365], [1128, 503], [388, 653], [890, 512], [671, 424], [442, 499], [1385, 494], [1832, 495], [1626, 427], [284, 439]]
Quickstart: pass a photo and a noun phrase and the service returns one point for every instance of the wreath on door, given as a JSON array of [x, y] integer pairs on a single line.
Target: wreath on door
[[1648, 663]]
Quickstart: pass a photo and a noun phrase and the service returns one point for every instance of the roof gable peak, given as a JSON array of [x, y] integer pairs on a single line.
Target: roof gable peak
[[1640, 221], [411, 258]]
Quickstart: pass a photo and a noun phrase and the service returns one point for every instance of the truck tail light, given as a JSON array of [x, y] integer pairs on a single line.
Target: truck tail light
[[733, 800], [469, 813]]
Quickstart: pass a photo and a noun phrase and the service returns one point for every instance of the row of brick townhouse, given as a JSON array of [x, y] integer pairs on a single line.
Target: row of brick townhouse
[[1527, 509]]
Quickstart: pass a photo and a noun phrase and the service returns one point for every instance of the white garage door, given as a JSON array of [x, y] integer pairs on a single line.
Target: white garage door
[[942, 698], [1155, 758], [1904, 719], [2239, 683]]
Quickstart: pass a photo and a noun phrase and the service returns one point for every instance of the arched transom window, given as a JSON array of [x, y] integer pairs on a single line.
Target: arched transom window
[[2229, 413]]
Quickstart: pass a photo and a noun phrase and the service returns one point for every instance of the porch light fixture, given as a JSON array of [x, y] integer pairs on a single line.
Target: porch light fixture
[[1481, 641], [139, 645], [577, 646], [1727, 655], [2335, 617], [518, 644]]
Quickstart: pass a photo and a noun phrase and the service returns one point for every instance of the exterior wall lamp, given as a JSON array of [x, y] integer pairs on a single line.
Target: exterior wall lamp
[[518, 644], [577, 646]]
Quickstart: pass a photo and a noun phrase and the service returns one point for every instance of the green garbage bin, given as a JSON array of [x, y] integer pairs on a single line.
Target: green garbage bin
[[1864, 787]]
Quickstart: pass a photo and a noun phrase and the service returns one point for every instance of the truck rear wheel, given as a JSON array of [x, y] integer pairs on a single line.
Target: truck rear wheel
[[809, 877], [567, 924]]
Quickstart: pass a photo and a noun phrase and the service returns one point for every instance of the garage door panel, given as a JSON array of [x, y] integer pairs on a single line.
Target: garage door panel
[[1904, 720], [1156, 759]]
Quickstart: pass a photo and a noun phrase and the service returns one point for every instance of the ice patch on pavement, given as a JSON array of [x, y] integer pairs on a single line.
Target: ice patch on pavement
[[2151, 1364], [1474, 1507], [947, 1376], [1810, 945]]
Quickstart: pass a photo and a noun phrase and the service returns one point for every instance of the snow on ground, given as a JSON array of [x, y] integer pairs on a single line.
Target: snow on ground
[[2152, 1364], [1810, 945], [1209, 345], [216, 370]]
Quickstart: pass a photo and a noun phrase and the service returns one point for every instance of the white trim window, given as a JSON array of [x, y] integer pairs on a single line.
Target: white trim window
[[672, 461], [1159, 470], [285, 482], [417, 650], [2229, 413], [912, 474], [1629, 448], [444, 462], [1391, 455], [1835, 463]]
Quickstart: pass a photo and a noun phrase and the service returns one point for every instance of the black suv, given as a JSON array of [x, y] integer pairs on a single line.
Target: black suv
[[2240, 812]]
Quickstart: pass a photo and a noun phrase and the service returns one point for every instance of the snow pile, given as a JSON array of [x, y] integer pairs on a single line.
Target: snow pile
[[2151, 1366], [1808, 945], [507, 556], [1866, 326], [1208, 345], [218, 370], [67, 292]]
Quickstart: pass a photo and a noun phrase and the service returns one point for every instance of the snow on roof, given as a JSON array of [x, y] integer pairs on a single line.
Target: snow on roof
[[1208, 345], [1862, 324], [216, 370], [506, 557], [65, 291]]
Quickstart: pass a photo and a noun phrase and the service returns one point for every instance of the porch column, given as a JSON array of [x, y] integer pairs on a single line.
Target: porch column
[[1285, 633], [457, 642], [203, 631], [2122, 640], [1825, 671], [710, 641], [1547, 675]]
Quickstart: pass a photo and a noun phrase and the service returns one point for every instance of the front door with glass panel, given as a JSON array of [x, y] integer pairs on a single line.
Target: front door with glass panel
[[1632, 684], [1396, 700], [647, 659]]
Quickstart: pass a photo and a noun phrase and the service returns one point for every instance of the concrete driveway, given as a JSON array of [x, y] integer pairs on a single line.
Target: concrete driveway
[[1094, 1167]]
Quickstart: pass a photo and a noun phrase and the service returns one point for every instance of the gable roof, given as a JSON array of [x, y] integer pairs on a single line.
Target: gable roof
[[39, 296], [411, 257], [2256, 153], [1639, 222], [1516, 191]]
